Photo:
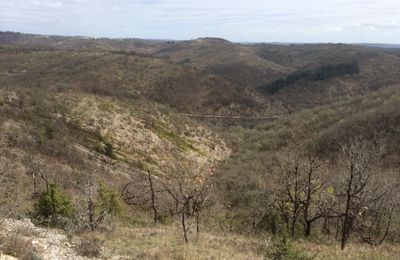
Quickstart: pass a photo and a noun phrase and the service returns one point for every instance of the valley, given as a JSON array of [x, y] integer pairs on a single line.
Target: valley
[[199, 149]]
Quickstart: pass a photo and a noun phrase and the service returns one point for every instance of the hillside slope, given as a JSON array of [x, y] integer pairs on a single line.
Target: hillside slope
[[377, 69], [235, 62], [128, 75], [224, 77], [69, 133]]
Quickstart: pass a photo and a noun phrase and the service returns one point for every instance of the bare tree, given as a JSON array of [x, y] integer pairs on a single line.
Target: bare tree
[[188, 186], [301, 190], [37, 173], [359, 163], [5, 169], [101, 202], [288, 195], [315, 196], [143, 191], [376, 220]]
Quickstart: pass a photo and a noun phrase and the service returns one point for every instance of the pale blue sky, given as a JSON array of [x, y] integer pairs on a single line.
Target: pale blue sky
[[250, 20]]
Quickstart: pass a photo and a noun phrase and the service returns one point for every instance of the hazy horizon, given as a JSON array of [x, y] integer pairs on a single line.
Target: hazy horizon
[[255, 21]]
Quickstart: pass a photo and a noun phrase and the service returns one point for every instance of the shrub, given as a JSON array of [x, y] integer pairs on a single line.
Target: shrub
[[283, 250], [90, 247], [51, 205], [109, 200], [109, 150], [16, 245], [102, 206]]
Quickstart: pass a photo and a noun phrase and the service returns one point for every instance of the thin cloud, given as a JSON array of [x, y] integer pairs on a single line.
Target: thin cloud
[[251, 20]]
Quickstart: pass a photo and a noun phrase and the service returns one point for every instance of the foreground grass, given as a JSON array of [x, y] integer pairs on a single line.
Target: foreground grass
[[331, 250], [165, 242]]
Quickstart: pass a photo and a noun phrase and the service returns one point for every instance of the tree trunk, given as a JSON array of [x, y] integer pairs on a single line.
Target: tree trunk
[[307, 229], [91, 212], [184, 229], [293, 227], [345, 232], [197, 225], [153, 198]]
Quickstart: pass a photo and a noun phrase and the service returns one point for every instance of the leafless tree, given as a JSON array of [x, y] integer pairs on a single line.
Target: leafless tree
[[376, 220], [315, 197], [359, 164], [144, 190], [289, 189], [100, 202], [37, 173], [301, 194], [7, 189], [188, 186]]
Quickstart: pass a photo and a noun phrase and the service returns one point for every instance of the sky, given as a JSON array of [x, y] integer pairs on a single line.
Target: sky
[[347, 21]]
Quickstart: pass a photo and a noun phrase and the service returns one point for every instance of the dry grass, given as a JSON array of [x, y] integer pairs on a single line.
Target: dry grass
[[353, 251], [165, 242], [16, 245]]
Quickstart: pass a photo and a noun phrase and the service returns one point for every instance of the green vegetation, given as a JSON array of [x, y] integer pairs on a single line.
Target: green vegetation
[[52, 206], [320, 74], [175, 139], [109, 200], [283, 250]]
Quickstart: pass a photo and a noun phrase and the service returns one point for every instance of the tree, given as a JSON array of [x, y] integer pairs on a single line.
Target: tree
[[302, 189], [188, 185], [6, 166], [314, 196], [289, 190], [375, 223], [37, 173], [53, 204], [143, 191], [376, 220], [101, 201], [359, 162]]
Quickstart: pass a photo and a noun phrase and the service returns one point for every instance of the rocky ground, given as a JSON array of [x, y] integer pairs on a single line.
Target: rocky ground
[[43, 243]]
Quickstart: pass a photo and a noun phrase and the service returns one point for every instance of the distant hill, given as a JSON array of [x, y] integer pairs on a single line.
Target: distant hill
[[229, 78], [380, 45], [376, 69], [235, 62]]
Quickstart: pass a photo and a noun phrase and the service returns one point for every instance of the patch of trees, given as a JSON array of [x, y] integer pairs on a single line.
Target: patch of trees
[[351, 195], [320, 74], [181, 193]]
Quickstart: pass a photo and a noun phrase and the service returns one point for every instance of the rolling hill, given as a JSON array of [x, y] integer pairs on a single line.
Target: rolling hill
[[118, 110], [241, 73]]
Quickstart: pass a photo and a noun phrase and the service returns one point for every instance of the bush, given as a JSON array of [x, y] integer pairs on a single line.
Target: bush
[[90, 247], [16, 245], [51, 206], [283, 250], [109, 150], [109, 200]]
